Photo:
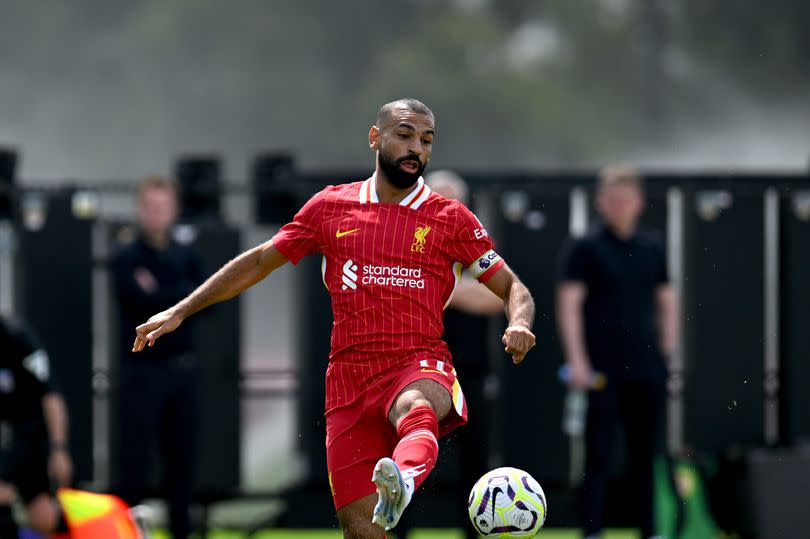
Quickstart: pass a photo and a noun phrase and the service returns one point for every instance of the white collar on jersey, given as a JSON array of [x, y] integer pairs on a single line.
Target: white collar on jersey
[[420, 193]]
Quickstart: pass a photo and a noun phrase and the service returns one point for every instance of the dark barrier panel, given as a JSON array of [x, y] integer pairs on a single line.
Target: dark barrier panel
[[779, 481], [54, 286], [531, 398], [315, 326], [655, 213], [315, 334], [723, 310], [218, 340], [314, 314], [795, 315]]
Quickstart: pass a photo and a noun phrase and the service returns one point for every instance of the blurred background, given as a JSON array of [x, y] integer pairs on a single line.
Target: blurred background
[[513, 83], [255, 105]]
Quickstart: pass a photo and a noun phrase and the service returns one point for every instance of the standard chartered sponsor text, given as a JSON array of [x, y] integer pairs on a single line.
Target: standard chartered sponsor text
[[399, 276]]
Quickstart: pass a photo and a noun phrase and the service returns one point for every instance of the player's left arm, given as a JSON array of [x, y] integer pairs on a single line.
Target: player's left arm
[[518, 338]]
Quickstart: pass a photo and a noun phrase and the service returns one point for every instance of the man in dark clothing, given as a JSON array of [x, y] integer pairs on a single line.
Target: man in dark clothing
[[618, 315], [466, 332], [37, 417], [158, 387]]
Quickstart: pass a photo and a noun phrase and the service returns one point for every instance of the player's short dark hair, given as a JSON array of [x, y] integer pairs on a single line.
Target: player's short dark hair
[[156, 181], [407, 102], [619, 174]]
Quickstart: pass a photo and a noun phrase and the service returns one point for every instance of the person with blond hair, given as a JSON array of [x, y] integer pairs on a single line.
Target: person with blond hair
[[617, 316], [158, 401]]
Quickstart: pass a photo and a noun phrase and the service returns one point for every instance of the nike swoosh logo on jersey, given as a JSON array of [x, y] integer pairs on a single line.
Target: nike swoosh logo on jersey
[[340, 234]]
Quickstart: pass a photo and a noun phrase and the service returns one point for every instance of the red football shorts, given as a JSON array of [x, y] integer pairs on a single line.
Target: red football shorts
[[358, 433]]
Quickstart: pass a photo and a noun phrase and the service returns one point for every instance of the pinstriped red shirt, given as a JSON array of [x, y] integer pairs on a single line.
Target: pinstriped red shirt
[[390, 269]]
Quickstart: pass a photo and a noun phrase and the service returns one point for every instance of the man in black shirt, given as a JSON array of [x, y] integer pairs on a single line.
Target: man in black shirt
[[37, 416], [158, 397], [618, 315]]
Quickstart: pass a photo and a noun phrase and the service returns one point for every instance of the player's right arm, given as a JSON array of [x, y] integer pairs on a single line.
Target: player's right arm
[[571, 293], [233, 278]]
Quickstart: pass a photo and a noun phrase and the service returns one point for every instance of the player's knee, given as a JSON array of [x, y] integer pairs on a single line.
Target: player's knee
[[422, 393], [407, 402], [42, 514], [418, 402]]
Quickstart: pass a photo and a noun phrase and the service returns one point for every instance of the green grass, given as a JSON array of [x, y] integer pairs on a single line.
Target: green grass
[[416, 534]]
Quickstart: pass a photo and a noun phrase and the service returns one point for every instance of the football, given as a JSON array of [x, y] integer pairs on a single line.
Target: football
[[507, 502]]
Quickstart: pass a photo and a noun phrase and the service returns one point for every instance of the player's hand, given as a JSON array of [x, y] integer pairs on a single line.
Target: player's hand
[[517, 340], [581, 375], [160, 324], [60, 467]]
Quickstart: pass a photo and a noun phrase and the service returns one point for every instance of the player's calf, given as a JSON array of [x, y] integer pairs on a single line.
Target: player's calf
[[418, 446], [355, 522]]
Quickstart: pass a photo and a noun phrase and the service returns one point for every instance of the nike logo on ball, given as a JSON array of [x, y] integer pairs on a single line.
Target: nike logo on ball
[[340, 234]]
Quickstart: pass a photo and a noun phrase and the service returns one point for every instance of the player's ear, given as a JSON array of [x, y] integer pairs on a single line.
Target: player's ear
[[374, 138]]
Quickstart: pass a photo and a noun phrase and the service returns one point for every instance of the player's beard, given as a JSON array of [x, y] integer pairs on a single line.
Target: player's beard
[[398, 177]]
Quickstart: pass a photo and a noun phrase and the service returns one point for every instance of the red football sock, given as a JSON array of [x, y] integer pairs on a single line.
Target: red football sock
[[418, 447]]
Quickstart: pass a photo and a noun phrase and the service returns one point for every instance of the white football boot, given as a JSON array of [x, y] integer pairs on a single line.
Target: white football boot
[[394, 491]]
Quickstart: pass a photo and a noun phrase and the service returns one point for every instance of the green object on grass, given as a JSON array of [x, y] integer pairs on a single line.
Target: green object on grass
[[686, 501]]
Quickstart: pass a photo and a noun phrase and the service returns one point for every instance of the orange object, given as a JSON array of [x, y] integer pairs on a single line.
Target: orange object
[[96, 516]]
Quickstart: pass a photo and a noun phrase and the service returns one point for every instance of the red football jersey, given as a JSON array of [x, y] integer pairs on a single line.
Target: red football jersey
[[390, 269]]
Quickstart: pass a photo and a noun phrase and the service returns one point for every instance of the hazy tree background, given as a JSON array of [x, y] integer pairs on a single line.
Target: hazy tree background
[[112, 89]]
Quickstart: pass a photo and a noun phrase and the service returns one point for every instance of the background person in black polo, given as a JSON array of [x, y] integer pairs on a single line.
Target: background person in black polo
[[158, 387], [617, 314], [38, 422]]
